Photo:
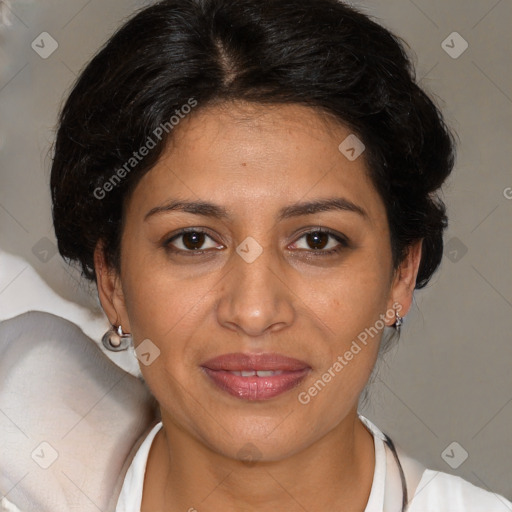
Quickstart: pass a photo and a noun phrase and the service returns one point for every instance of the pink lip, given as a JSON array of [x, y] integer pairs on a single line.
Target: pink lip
[[254, 387], [245, 361]]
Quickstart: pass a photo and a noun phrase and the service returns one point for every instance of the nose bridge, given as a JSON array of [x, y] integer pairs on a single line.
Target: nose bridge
[[254, 299]]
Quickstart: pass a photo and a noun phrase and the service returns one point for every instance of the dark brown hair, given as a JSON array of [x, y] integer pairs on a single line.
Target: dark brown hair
[[319, 53]]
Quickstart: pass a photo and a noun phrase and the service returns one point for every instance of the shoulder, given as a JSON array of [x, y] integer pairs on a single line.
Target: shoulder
[[442, 491], [435, 491], [69, 414], [30, 331]]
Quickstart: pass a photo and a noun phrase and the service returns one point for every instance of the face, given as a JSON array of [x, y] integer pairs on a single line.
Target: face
[[286, 251]]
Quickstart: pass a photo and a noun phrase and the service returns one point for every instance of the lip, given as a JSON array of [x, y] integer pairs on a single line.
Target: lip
[[246, 361], [291, 373]]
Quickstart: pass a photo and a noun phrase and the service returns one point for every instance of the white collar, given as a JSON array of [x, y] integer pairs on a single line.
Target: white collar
[[385, 493]]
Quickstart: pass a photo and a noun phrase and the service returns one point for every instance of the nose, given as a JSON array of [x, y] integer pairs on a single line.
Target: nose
[[256, 299]]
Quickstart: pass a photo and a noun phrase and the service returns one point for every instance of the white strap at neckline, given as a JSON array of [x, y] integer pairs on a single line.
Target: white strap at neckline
[[386, 493], [413, 472]]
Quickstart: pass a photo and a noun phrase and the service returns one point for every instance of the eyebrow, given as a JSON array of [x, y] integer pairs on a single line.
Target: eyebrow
[[207, 209]]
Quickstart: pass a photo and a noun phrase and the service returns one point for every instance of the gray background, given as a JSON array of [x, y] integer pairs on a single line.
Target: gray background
[[449, 378]]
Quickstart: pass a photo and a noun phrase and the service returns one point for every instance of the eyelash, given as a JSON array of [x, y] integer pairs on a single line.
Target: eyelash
[[343, 242]]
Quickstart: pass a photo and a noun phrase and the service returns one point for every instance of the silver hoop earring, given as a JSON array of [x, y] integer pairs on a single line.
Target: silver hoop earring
[[398, 321], [116, 340]]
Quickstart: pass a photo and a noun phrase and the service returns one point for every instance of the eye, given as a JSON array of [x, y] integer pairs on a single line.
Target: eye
[[321, 241], [191, 240]]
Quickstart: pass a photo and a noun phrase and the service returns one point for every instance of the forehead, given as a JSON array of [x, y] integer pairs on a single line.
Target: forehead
[[247, 156]]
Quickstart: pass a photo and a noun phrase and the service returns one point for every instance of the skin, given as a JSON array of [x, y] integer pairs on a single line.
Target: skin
[[254, 160]]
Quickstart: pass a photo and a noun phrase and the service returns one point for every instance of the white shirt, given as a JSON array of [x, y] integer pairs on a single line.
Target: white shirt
[[435, 492]]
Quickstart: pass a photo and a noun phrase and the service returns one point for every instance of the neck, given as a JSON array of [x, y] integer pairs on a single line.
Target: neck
[[333, 473]]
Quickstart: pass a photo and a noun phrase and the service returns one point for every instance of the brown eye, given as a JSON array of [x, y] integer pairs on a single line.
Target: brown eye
[[317, 239], [321, 242], [193, 240]]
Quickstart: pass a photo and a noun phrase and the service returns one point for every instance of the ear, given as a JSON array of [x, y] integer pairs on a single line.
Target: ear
[[110, 291], [404, 281]]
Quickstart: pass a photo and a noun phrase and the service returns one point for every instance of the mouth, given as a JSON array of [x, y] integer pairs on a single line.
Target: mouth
[[255, 377]]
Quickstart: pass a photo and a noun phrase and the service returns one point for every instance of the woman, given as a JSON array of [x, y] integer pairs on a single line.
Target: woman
[[253, 187]]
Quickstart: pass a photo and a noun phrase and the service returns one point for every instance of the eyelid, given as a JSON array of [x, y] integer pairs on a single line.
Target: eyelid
[[321, 229]]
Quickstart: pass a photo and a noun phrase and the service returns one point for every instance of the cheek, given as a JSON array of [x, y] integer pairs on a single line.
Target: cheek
[[155, 298], [349, 309], [351, 298], [170, 312], [163, 309], [167, 313]]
